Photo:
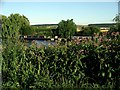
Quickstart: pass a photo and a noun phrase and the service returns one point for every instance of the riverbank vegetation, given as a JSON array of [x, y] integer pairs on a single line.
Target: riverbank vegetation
[[81, 63]]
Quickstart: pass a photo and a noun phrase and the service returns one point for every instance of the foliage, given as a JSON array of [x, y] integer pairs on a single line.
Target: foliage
[[85, 65], [10, 30], [113, 29], [11, 47], [27, 30], [117, 18], [88, 64], [22, 23], [89, 31], [66, 29], [43, 31], [116, 28]]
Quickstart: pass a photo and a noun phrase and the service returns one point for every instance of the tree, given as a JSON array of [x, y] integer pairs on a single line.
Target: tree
[[27, 30], [13, 26], [113, 28], [12, 49], [22, 22], [0, 25], [117, 18], [66, 28], [10, 30], [116, 28], [90, 30]]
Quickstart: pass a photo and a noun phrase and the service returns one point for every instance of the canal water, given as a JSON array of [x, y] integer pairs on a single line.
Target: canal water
[[41, 42]]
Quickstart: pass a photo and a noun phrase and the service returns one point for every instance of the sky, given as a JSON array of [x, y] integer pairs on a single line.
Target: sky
[[82, 13]]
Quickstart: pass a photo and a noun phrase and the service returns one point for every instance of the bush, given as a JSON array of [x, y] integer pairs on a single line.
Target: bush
[[69, 65]]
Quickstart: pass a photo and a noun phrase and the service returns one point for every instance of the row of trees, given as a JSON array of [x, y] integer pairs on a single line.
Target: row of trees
[[65, 29]]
